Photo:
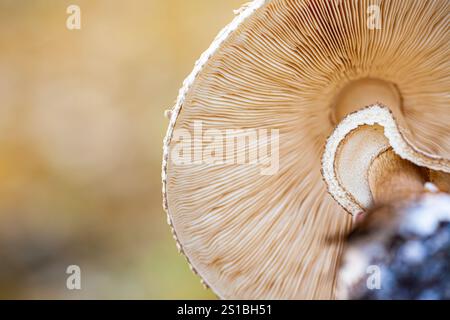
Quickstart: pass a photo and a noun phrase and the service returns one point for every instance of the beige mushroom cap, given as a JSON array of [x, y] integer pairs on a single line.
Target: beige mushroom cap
[[283, 64]]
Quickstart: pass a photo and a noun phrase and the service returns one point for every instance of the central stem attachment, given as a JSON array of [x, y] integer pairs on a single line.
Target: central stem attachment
[[365, 92]]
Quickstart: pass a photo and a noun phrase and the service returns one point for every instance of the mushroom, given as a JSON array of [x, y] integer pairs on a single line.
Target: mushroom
[[298, 67]]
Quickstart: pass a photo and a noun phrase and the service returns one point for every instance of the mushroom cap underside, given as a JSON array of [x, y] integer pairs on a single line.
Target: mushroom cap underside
[[279, 66]]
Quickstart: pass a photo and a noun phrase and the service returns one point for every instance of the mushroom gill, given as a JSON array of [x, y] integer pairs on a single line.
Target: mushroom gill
[[291, 65]]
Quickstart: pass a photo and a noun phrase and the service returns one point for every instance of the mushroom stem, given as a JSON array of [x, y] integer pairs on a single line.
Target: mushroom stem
[[392, 178]]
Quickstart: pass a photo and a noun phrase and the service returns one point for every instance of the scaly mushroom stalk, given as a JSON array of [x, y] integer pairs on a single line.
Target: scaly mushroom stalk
[[392, 178]]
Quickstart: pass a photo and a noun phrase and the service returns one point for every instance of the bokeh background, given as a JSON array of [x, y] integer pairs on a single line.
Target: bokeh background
[[81, 130]]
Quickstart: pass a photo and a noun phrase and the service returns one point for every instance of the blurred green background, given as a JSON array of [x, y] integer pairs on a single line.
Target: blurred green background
[[81, 130]]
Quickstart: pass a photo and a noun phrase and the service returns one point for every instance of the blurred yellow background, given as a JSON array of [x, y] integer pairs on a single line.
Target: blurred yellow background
[[81, 129]]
